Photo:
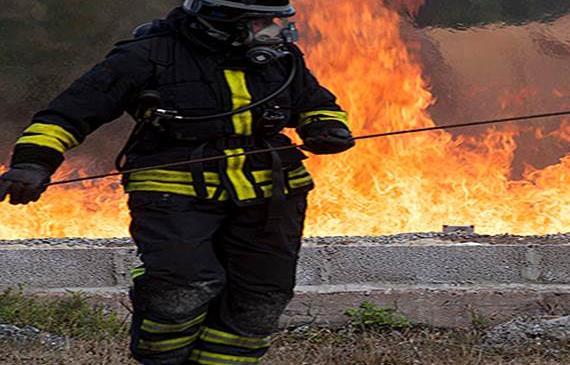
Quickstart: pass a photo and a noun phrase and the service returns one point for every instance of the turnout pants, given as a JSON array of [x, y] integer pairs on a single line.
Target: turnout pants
[[215, 279]]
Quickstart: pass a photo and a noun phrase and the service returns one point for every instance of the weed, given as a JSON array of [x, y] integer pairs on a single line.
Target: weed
[[71, 315], [478, 320], [369, 316]]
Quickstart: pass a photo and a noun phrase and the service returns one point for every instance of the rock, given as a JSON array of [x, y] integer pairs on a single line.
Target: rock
[[523, 331], [558, 328], [29, 334]]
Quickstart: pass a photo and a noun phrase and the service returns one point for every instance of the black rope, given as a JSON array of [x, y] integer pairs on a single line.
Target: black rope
[[283, 148], [471, 124]]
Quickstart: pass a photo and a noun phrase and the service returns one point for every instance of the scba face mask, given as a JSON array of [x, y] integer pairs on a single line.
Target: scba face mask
[[266, 39], [262, 29]]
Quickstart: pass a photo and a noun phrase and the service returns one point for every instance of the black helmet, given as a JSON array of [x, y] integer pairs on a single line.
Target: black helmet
[[233, 10]]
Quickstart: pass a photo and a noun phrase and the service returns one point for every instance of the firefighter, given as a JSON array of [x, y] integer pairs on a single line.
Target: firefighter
[[219, 241]]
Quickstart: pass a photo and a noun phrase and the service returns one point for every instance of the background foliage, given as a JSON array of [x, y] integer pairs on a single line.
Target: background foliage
[[46, 44], [466, 13]]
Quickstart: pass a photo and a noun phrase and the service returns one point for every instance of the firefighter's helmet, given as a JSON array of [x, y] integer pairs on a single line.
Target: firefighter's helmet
[[234, 10]]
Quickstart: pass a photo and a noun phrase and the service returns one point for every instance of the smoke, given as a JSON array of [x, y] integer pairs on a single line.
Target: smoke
[[506, 70], [45, 45]]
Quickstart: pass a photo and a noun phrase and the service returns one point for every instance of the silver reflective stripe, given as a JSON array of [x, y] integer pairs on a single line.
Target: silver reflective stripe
[[261, 8]]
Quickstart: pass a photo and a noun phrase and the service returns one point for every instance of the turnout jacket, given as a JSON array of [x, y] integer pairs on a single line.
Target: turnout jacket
[[195, 77]]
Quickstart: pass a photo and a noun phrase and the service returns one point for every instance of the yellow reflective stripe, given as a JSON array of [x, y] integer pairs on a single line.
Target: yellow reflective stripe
[[298, 183], [298, 172], [161, 175], [224, 196], [166, 345], [43, 141], [161, 328], [181, 189], [137, 272], [243, 122], [210, 358], [309, 117], [55, 131], [267, 190], [261, 176], [264, 176], [224, 338], [243, 187], [172, 176]]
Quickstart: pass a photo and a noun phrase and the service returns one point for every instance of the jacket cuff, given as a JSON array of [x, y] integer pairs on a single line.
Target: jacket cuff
[[44, 156], [320, 125]]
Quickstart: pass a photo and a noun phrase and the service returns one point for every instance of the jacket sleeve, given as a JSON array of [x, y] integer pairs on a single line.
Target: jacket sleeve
[[313, 105], [98, 97]]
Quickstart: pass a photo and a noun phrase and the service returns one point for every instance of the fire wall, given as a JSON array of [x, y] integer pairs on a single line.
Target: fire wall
[[392, 67]]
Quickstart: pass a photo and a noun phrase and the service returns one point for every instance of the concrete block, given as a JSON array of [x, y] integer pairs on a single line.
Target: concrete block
[[440, 306], [57, 268], [430, 264], [548, 264], [312, 268], [436, 264], [125, 260]]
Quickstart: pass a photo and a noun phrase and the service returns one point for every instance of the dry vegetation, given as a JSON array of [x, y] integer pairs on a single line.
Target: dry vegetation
[[99, 337], [322, 347]]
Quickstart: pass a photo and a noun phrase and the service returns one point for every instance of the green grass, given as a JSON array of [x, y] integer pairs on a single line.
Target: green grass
[[369, 316], [70, 315]]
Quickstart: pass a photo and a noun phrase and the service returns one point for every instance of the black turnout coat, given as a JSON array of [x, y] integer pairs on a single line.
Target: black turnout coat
[[194, 76]]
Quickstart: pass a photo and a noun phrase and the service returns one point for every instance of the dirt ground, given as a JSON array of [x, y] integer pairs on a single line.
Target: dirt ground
[[87, 333], [322, 346]]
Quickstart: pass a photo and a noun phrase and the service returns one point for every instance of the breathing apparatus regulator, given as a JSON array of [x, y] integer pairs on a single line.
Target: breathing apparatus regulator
[[261, 27]]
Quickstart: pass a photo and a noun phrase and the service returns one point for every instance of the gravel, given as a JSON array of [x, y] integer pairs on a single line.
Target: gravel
[[29, 335], [402, 238], [526, 331], [69, 242], [457, 237]]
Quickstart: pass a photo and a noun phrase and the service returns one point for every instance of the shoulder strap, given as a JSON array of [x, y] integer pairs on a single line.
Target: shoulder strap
[[159, 35], [161, 46]]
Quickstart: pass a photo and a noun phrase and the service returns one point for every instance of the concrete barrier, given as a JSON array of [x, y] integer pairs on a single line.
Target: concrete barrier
[[431, 281]]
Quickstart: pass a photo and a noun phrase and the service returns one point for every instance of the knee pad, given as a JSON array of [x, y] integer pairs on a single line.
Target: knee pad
[[162, 300], [257, 316]]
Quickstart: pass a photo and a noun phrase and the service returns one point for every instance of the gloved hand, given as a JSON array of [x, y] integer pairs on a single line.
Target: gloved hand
[[24, 183], [325, 141]]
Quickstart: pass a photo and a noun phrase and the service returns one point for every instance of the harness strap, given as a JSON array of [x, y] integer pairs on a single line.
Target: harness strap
[[278, 197], [161, 53], [197, 171]]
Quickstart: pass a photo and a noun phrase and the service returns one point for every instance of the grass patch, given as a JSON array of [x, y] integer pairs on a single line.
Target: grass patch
[[369, 316], [322, 346], [71, 315], [101, 338]]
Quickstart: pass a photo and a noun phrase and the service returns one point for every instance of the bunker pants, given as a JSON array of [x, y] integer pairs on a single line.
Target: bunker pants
[[214, 279]]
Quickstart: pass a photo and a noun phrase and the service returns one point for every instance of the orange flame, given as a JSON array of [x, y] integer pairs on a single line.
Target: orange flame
[[90, 209], [402, 184]]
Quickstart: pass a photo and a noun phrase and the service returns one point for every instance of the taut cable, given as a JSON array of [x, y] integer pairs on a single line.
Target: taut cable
[[283, 148]]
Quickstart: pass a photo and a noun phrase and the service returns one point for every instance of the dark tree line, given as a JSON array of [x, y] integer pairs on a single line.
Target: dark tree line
[[45, 44], [468, 13]]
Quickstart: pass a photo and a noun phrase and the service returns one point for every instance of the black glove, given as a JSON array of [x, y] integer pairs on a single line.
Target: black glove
[[24, 183], [326, 141]]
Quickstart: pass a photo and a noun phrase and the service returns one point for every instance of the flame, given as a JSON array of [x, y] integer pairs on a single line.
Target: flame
[[401, 184], [90, 209]]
